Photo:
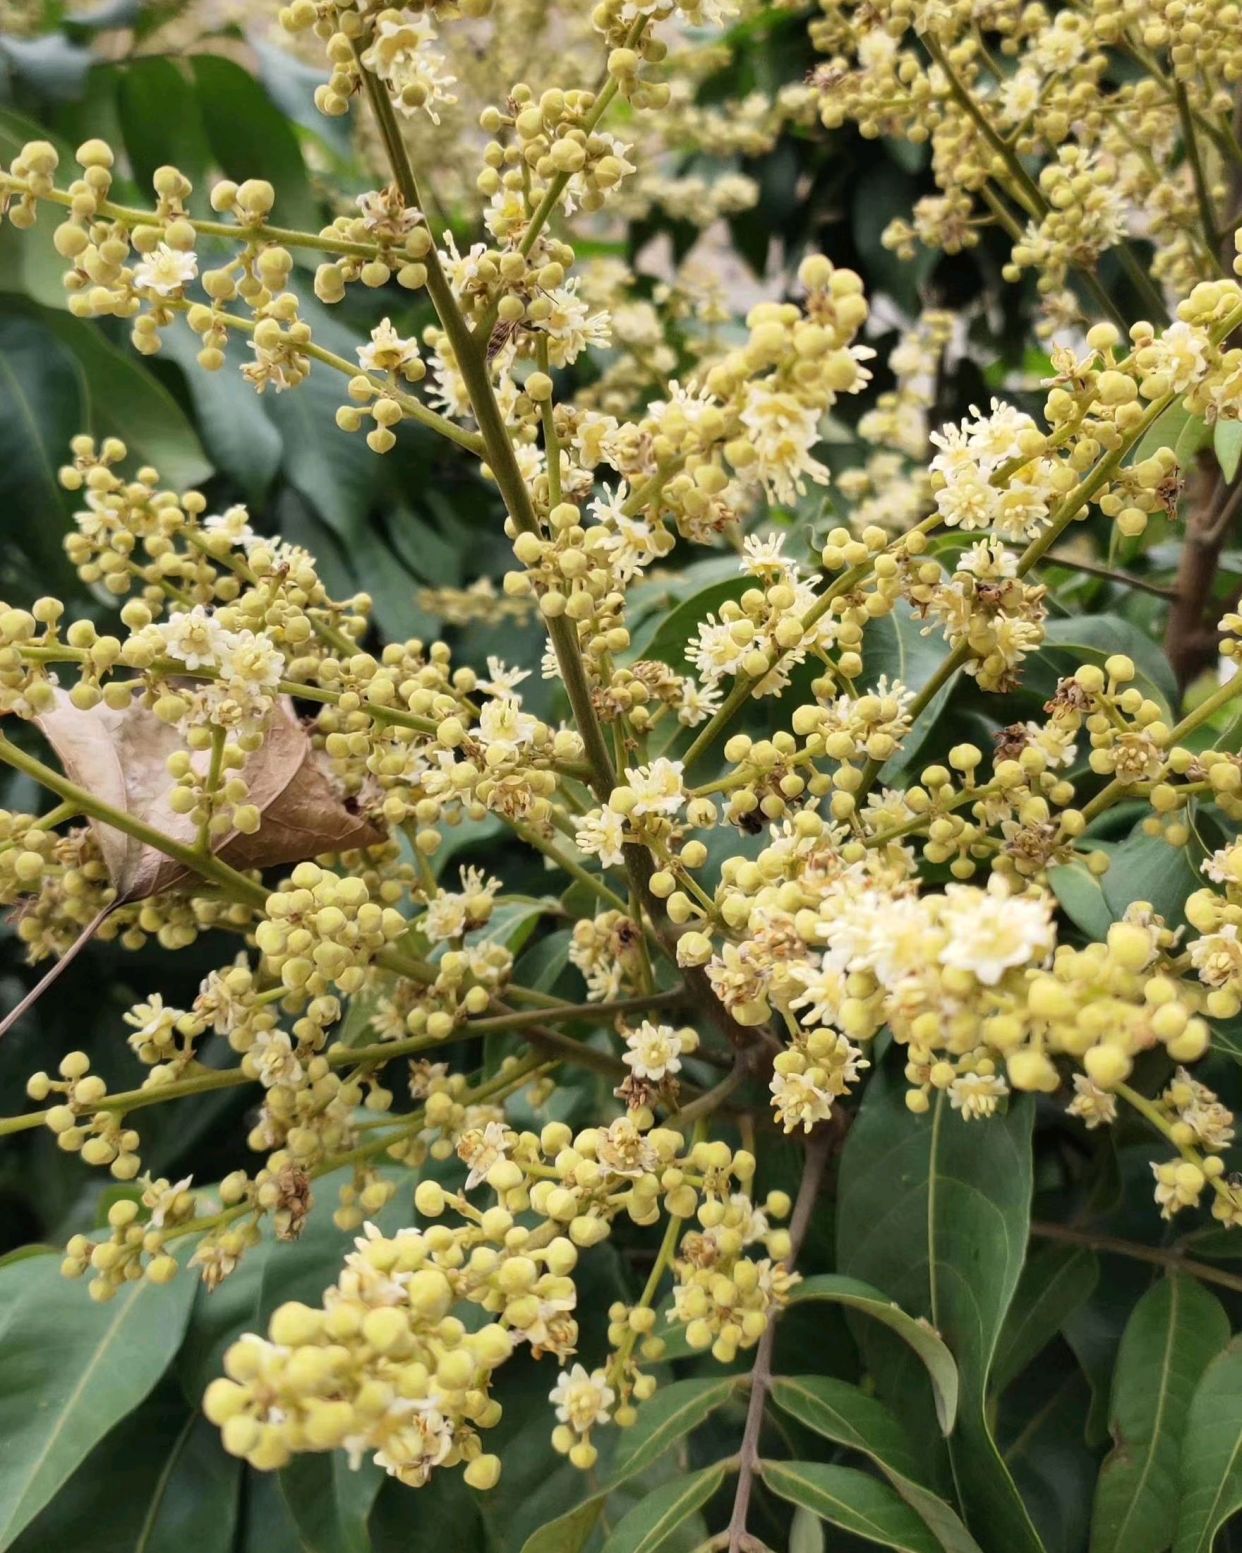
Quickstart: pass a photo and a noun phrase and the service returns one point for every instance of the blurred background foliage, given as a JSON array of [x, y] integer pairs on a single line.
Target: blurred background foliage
[[403, 528]]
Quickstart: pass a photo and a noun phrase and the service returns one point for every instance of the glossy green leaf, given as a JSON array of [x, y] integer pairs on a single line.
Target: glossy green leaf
[[852, 1500], [1080, 895], [668, 1417], [935, 1212], [1147, 868], [649, 1525], [243, 441], [43, 404], [329, 1502], [73, 1368], [806, 1532], [159, 1482], [843, 1413], [921, 1338], [1054, 1283], [1211, 1462], [1176, 1329], [1227, 445], [127, 401], [251, 138], [1167, 431], [29, 263], [681, 624], [1093, 639], [158, 108]]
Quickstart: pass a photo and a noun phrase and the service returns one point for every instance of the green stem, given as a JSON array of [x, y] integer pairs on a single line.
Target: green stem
[[130, 215]]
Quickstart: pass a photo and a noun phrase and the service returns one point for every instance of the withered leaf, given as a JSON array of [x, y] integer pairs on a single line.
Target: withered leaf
[[121, 757]]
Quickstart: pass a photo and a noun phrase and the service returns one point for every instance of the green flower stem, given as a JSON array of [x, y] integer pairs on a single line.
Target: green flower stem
[[573, 868], [214, 772], [129, 215], [1203, 193], [499, 452], [482, 332], [501, 1086], [1028, 193], [1116, 789], [374, 1055], [171, 668], [1152, 1114], [414, 408], [646, 1300], [744, 684]]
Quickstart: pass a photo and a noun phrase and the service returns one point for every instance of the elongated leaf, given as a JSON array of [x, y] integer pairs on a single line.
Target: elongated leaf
[[668, 1417], [43, 404], [72, 1370], [852, 1500], [1211, 1471], [806, 1532], [329, 1503], [680, 626], [126, 401], [936, 1213], [242, 441], [939, 1362], [159, 1482], [841, 1412], [1227, 442], [650, 1523], [251, 138], [1176, 1330], [1080, 895], [1054, 1283]]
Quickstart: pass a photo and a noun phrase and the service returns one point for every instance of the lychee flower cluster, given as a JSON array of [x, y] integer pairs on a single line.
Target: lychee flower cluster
[[761, 871]]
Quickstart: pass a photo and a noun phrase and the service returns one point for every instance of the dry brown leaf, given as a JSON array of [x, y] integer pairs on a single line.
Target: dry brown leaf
[[121, 757]]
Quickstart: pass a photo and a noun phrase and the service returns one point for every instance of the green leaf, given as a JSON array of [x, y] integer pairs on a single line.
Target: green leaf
[[73, 1368], [160, 118], [42, 406], [806, 1532], [668, 1417], [1211, 1462], [251, 138], [243, 442], [29, 263], [680, 626], [329, 1503], [1147, 868], [1054, 1283], [1093, 639], [1227, 444], [852, 1500], [1167, 431], [1176, 1329], [936, 1211], [1080, 895], [841, 1412], [652, 1521], [126, 401], [159, 1482], [925, 1342]]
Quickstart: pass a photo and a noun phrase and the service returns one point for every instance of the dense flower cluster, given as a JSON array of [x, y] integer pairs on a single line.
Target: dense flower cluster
[[747, 937]]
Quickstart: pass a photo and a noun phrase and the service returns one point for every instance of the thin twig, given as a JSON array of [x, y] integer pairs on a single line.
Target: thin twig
[[740, 1540], [1169, 1257]]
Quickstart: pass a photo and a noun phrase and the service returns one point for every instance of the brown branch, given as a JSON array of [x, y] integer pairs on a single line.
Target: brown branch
[[1168, 1257], [739, 1539], [1191, 638]]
